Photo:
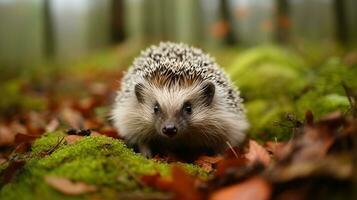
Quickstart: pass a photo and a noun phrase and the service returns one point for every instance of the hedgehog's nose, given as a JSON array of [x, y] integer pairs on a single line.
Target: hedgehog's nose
[[169, 130]]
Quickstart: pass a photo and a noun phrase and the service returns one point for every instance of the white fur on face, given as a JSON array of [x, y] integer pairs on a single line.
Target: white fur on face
[[208, 125]]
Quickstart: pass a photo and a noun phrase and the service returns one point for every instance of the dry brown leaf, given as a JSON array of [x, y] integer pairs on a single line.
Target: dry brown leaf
[[7, 137], [72, 117], [16, 127], [71, 139], [257, 153], [21, 138], [69, 187], [276, 148], [52, 125], [183, 185], [95, 133], [255, 188]]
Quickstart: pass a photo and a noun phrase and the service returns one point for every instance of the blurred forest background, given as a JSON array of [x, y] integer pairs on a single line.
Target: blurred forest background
[[286, 56], [34, 31]]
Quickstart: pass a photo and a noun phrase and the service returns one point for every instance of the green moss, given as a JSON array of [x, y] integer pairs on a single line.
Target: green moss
[[275, 81], [263, 71], [97, 160]]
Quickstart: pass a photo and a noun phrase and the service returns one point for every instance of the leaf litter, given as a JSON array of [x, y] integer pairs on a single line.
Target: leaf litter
[[319, 161]]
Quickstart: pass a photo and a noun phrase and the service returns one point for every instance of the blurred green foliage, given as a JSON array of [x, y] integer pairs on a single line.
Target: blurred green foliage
[[275, 82]]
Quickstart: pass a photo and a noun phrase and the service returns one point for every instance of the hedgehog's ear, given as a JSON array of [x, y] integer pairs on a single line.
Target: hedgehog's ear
[[139, 92], [208, 90]]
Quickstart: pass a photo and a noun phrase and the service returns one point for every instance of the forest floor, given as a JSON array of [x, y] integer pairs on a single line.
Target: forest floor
[[56, 141]]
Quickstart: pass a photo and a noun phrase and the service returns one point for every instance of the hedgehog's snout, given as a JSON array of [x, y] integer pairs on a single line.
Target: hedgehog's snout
[[169, 129]]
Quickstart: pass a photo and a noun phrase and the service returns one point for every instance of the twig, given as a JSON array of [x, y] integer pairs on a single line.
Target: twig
[[48, 152], [352, 98], [232, 149]]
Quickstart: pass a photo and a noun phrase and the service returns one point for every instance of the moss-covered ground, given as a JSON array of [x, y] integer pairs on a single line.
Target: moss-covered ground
[[98, 160]]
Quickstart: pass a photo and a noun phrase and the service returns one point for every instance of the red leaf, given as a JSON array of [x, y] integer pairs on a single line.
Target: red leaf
[[184, 185], [20, 138], [229, 163]]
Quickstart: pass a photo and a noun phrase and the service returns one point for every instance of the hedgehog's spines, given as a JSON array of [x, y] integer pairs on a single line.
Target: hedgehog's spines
[[181, 61]]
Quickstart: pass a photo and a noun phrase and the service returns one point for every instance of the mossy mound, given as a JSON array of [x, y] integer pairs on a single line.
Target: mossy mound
[[98, 160], [275, 82], [263, 71]]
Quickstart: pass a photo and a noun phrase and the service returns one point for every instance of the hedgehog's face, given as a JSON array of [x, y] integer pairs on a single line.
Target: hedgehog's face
[[173, 110]]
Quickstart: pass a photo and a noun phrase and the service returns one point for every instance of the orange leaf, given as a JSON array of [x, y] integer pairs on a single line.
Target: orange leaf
[[255, 188]]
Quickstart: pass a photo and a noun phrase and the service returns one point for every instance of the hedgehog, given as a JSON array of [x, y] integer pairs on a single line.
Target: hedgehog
[[175, 100]]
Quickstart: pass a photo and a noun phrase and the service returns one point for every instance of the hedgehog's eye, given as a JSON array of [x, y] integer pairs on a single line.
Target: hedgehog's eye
[[156, 108], [187, 107]]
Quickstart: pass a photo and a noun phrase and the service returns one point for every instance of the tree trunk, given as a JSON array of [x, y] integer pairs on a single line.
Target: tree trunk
[[282, 21], [49, 48], [117, 21], [341, 25]]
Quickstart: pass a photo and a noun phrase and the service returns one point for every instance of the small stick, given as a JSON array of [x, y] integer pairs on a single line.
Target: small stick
[[231, 148], [48, 152]]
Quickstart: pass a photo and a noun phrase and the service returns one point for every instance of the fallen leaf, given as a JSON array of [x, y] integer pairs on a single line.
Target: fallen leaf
[[23, 147], [257, 153], [72, 117], [35, 123], [95, 133], [184, 185], [109, 131], [21, 138], [156, 181], [275, 148], [69, 187], [229, 164], [16, 127], [255, 188], [207, 162], [71, 139], [7, 137], [52, 126]]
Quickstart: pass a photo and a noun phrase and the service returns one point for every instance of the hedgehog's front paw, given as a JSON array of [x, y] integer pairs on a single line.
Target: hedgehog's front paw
[[145, 150]]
